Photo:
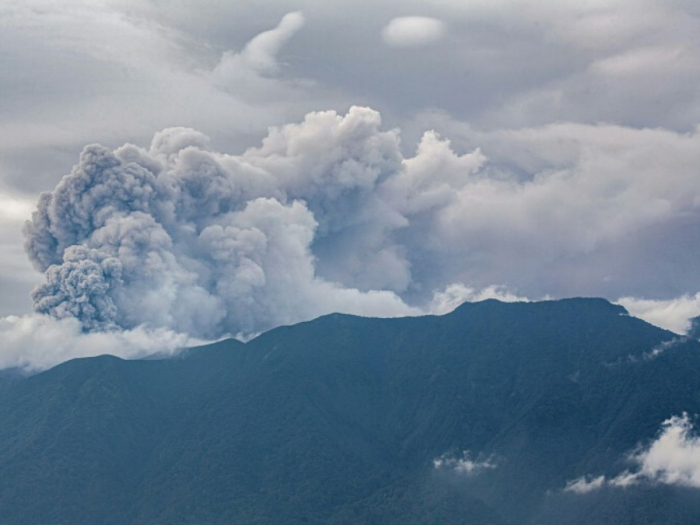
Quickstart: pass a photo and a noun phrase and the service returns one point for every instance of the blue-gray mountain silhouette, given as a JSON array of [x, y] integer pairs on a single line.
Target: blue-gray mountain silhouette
[[338, 421]]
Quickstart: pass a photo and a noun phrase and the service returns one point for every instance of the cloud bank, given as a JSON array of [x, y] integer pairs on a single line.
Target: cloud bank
[[37, 342]]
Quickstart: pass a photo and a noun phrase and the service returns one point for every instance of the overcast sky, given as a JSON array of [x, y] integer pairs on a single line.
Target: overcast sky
[[519, 149]]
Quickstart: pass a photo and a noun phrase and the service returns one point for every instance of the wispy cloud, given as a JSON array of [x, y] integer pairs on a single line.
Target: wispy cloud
[[585, 484], [463, 464], [259, 59], [413, 31], [452, 296]]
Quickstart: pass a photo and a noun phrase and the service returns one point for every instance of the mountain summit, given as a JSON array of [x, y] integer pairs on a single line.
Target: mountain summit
[[486, 415]]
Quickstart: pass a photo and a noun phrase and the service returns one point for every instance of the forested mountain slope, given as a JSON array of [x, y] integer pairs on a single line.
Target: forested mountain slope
[[340, 420]]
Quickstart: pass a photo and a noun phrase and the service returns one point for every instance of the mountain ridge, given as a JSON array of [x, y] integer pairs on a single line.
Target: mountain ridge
[[340, 419]]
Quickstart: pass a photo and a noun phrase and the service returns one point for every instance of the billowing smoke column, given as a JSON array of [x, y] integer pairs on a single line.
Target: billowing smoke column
[[181, 237]]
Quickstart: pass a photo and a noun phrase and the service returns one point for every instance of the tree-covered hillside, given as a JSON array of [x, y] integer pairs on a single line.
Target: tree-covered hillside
[[340, 421]]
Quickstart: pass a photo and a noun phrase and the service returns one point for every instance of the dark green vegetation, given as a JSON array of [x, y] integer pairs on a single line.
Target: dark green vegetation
[[338, 420]]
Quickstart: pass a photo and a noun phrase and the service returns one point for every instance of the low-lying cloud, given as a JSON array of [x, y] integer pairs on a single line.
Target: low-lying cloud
[[452, 296], [36, 342], [673, 458], [585, 484], [672, 314], [463, 464]]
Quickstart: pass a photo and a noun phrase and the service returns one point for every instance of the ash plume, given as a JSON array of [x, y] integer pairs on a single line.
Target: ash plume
[[182, 237]]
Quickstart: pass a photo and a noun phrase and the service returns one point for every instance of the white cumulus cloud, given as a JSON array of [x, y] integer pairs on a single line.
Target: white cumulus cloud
[[671, 314], [673, 458]]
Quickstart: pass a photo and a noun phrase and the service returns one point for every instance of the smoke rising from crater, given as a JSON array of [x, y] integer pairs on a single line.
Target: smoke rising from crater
[[179, 236], [329, 215]]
